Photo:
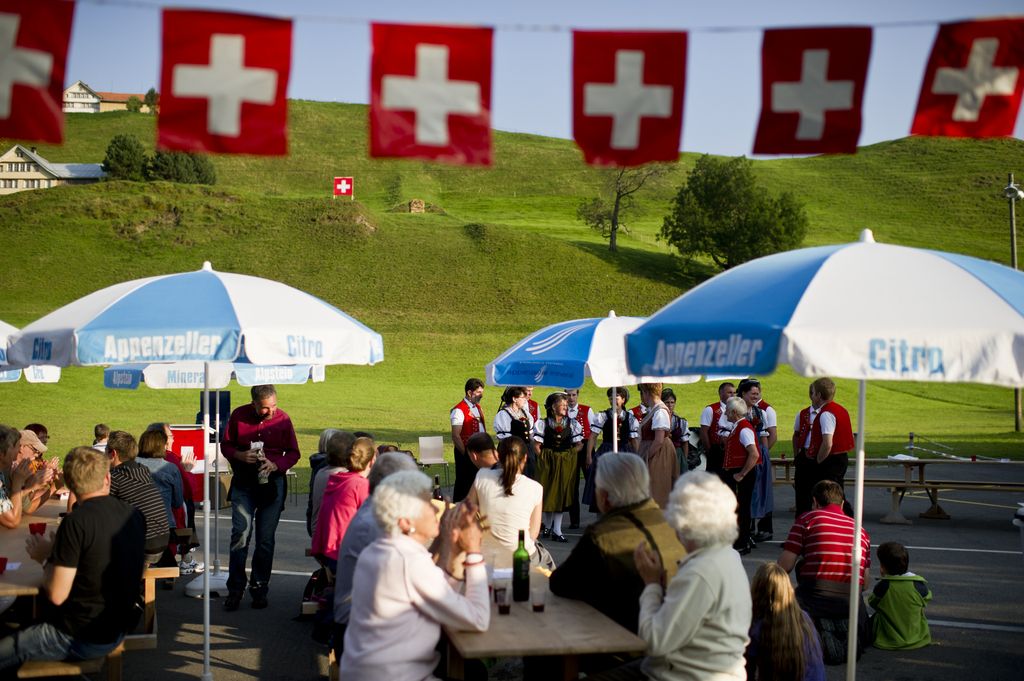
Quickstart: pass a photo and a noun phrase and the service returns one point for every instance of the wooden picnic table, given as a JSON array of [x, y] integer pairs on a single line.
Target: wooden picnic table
[[915, 478], [564, 632], [27, 577]]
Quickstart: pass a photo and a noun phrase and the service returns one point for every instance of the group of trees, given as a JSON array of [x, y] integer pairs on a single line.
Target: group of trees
[[127, 159], [720, 212], [151, 100]]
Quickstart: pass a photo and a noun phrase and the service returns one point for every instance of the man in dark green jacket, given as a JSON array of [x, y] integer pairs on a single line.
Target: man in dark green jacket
[[601, 570]]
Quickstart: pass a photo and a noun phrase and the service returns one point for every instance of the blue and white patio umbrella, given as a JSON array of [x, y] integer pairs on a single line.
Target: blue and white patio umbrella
[[563, 355], [204, 316], [863, 311], [33, 374]]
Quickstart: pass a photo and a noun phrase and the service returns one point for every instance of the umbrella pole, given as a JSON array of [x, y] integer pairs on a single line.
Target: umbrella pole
[[207, 674], [615, 420], [858, 519], [216, 488]]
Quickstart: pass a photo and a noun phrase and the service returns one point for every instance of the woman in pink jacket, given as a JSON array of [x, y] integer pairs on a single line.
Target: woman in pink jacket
[[344, 494]]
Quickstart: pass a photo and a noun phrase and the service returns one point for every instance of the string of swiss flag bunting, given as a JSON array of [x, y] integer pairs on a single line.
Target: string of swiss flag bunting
[[224, 79]]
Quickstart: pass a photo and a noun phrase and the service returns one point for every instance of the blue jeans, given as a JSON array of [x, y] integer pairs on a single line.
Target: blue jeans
[[47, 642], [247, 514]]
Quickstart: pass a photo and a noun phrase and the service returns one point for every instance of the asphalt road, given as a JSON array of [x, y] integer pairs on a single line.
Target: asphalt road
[[973, 563]]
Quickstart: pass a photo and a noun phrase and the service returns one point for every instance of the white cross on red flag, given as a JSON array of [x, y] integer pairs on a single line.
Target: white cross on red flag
[[223, 83], [973, 82], [430, 93], [812, 87], [628, 92], [34, 37], [343, 186]]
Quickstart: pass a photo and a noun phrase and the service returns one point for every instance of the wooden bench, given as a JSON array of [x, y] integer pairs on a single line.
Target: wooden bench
[[918, 482], [899, 489], [144, 638]]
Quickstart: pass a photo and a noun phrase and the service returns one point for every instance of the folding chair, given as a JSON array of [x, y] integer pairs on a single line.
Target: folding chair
[[432, 454]]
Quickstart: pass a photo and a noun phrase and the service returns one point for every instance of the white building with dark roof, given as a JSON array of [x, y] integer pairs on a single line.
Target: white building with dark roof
[[22, 168]]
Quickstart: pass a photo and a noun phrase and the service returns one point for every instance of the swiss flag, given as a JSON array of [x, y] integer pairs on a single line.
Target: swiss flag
[[430, 93], [627, 96], [343, 186], [223, 83], [973, 83], [34, 37], [812, 87]]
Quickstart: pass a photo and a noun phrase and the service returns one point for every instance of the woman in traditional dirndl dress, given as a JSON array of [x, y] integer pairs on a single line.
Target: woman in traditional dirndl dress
[[557, 439], [656, 445], [513, 418], [680, 430], [629, 439]]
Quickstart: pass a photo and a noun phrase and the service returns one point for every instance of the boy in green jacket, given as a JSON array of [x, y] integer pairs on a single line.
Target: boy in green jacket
[[899, 600]]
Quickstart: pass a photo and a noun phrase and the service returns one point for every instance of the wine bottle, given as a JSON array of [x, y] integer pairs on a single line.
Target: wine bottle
[[521, 570], [437, 488]]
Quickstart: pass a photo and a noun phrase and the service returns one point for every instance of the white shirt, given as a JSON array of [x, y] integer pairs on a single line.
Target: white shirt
[[660, 420], [508, 514], [400, 599], [828, 423], [705, 416], [747, 436], [574, 427], [503, 423], [458, 417], [574, 413], [771, 419], [725, 427]]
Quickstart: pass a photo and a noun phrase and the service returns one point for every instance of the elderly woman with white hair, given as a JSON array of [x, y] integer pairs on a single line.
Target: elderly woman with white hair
[[696, 626], [741, 458], [400, 598]]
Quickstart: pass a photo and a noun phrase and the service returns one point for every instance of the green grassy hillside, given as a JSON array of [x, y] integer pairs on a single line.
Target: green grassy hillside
[[449, 291]]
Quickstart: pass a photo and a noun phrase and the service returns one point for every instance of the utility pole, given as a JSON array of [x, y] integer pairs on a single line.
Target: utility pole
[[1013, 194]]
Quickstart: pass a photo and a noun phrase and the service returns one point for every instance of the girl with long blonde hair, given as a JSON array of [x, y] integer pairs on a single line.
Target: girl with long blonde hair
[[784, 645]]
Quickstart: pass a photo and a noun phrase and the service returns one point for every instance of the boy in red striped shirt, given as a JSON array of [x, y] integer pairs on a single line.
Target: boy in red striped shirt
[[820, 547]]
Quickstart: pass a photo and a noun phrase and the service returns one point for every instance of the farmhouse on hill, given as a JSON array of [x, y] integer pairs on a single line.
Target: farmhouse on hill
[[22, 168], [80, 98]]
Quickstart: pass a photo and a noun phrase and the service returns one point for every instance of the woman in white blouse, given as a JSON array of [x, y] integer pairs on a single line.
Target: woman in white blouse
[[508, 499], [514, 418], [400, 598], [696, 624]]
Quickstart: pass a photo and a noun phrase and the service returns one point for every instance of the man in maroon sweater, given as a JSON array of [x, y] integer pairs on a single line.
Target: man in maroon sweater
[[260, 444]]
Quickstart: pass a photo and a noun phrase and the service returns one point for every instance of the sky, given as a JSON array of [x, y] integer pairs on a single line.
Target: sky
[[115, 46]]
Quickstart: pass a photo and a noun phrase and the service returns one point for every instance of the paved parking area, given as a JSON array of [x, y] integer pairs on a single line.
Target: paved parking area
[[973, 563]]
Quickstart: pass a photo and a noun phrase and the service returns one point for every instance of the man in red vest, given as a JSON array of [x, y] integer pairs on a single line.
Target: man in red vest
[[831, 440], [583, 414], [467, 419], [532, 404], [714, 446]]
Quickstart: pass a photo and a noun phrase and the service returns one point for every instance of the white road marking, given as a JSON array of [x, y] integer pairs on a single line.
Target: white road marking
[[975, 625]]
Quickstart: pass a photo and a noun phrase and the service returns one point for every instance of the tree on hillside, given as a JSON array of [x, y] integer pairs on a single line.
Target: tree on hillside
[[151, 100], [134, 104], [605, 212], [125, 159], [722, 211], [183, 168], [205, 172]]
